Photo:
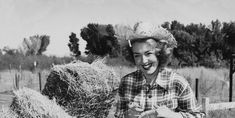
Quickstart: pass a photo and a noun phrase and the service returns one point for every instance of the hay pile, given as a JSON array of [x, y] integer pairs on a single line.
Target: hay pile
[[85, 90], [7, 113], [29, 103]]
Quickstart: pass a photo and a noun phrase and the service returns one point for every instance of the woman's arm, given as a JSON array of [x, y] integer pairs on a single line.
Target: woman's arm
[[121, 105], [187, 104]]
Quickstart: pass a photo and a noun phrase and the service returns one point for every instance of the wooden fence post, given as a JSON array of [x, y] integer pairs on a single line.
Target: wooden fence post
[[231, 71], [196, 87], [16, 82], [40, 81], [9, 68], [205, 105]]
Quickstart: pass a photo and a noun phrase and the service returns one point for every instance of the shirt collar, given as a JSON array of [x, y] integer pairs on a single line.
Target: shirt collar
[[162, 80]]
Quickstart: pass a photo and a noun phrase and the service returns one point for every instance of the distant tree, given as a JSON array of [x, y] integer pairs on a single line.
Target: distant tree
[[216, 39], [203, 43], [100, 39], [229, 37], [0, 52], [45, 41], [9, 51], [73, 45], [184, 51], [166, 25], [175, 25], [196, 29], [35, 45]]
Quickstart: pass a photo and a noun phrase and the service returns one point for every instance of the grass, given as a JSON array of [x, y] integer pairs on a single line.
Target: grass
[[213, 83]]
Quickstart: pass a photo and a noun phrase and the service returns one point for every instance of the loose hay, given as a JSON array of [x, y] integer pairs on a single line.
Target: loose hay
[[85, 90], [28, 103], [7, 113]]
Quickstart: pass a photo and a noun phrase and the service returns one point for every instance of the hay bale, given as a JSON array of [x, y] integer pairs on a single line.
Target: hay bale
[[85, 90], [28, 103], [8, 113]]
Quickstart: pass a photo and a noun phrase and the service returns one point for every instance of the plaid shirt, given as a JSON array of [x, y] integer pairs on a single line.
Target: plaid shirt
[[170, 90]]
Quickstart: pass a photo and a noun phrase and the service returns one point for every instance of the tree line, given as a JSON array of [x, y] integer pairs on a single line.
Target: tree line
[[30, 51], [198, 44], [202, 45]]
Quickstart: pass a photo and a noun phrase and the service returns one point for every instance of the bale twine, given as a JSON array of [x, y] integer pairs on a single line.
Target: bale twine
[[85, 90], [29, 103]]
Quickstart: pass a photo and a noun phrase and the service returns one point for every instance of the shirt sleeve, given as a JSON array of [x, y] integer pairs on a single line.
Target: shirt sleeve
[[121, 105], [187, 103]]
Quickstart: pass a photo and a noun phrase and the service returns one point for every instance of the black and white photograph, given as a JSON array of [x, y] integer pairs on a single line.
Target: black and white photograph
[[117, 58]]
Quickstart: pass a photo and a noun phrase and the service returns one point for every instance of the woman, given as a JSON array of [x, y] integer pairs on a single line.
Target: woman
[[153, 91]]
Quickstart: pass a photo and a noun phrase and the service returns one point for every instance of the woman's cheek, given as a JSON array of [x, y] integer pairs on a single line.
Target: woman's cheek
[[137, 61]]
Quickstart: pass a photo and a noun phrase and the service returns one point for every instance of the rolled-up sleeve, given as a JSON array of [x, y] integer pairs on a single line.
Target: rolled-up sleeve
[[187, 104]]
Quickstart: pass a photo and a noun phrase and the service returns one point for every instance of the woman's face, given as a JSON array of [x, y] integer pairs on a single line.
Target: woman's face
[[145, 56]]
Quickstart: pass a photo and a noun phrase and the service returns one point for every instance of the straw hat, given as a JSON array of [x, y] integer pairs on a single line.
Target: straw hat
[[144, 30]]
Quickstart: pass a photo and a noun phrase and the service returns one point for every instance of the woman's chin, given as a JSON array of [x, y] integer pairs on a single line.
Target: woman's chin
[[148, 72]]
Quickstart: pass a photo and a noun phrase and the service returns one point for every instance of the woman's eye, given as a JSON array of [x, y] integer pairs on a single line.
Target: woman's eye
[[136, 56], [149, 53]]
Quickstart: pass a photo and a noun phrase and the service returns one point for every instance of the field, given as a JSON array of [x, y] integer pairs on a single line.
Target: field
[[213, 83], [28, 79]]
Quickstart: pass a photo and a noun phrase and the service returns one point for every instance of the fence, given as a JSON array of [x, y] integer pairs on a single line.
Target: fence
[[207, 106], [18, 76], [17, 81]]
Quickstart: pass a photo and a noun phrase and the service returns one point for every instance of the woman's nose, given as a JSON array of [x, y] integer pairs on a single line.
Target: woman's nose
[[144, 59]]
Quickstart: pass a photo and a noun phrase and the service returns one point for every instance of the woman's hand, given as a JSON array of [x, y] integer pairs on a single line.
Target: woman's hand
[[165, 112], [149, 114], [134, 111], [160, 112]]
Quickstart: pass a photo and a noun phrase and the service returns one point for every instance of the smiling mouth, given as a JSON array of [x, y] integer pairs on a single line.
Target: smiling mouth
[[146, 66]]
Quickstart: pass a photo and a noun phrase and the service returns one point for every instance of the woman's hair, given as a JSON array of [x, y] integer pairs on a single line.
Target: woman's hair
[[145, 31]]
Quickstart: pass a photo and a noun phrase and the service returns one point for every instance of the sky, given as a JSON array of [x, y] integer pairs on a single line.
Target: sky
[[21, 19]]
